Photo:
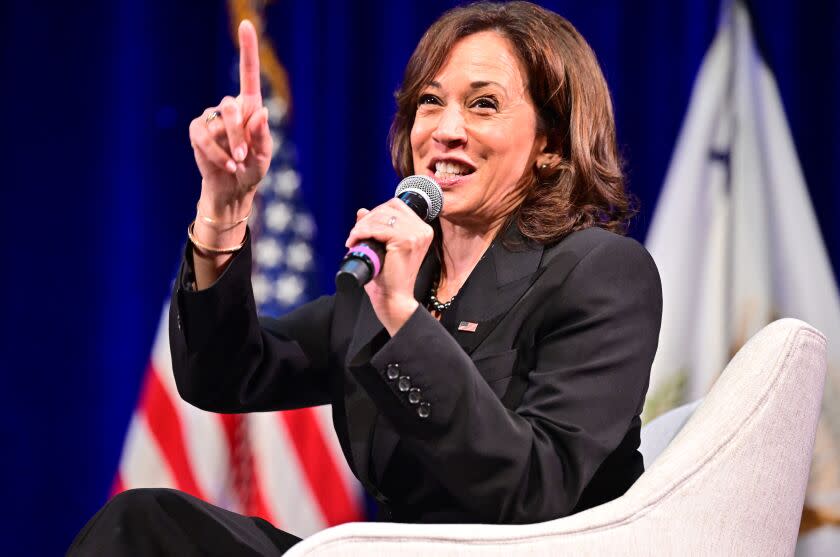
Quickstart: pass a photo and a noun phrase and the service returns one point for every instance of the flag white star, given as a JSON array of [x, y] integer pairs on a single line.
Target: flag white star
[[304, 226], [278, 215], [267, 252], [286, 182], [288, 289], [299, 256]]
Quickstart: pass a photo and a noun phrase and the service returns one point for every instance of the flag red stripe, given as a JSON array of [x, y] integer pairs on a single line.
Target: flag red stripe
[[229, 424], [256, 504], [162, 417], [319, 466]]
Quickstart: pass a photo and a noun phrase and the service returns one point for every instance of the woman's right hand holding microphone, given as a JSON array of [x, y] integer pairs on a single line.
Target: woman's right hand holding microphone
[[232, 147]]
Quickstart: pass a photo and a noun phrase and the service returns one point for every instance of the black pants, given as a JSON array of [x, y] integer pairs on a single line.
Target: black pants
[[169, 522]]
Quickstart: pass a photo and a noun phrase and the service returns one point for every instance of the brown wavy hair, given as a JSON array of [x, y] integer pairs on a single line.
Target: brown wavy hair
[[574, 113]]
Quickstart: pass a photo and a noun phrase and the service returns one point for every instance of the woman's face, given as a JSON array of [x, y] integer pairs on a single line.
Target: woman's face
[[475, 130]]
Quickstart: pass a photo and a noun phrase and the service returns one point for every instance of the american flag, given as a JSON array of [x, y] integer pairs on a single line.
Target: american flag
[[286, 467]]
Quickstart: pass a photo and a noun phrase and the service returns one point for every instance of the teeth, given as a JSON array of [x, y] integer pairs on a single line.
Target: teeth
[[445, 168]]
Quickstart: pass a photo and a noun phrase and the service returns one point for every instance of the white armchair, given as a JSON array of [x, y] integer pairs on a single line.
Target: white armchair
[[732, 482]]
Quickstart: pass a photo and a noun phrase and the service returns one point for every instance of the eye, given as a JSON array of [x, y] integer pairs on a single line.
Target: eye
[[428, 99], [485, 103]]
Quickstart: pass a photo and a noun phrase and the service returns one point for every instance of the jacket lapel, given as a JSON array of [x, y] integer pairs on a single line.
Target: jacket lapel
[[497, 282]]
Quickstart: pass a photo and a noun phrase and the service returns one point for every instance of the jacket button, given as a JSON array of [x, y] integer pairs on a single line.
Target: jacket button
[[414, 395], [404, 383], [424, 410], [392, 371]]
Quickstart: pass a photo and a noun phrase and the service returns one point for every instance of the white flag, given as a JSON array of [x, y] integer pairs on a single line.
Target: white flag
[[737, 243]]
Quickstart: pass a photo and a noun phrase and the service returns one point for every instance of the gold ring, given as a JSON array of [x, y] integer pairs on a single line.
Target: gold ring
[[212, 116]]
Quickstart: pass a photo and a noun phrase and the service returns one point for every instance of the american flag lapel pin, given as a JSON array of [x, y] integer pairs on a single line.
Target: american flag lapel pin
[[467, 326]]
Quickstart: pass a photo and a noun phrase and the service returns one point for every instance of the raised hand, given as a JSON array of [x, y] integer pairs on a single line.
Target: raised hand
[[232, 147], [231, 141]]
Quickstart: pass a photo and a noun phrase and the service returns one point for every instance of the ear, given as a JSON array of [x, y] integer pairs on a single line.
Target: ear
[[547, 161]]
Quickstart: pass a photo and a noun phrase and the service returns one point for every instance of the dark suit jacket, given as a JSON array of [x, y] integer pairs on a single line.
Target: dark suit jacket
[[533, 416]]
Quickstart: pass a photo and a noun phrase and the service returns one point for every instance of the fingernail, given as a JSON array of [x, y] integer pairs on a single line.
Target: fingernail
[[239, 154], [231, 166]]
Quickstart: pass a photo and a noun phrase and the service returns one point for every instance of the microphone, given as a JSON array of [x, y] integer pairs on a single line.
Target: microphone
[[364, 260]]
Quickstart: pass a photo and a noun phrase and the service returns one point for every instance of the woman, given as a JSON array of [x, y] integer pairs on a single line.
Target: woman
[[495, 370]]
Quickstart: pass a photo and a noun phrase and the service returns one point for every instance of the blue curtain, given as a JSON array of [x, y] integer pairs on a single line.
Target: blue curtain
[[99, 184]]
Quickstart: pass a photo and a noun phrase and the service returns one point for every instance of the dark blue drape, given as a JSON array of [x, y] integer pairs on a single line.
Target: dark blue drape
[[98, 180]]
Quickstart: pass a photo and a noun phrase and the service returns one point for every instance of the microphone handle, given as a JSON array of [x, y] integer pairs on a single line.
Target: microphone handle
[[360, 265]]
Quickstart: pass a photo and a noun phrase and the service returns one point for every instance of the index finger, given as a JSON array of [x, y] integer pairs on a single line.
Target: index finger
[[249, 60]]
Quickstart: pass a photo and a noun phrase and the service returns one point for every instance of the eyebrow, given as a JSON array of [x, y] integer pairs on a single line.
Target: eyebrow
[[473, 85]]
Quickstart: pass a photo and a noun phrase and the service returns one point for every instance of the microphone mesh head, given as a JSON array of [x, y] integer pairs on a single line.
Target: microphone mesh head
[[426, 187]]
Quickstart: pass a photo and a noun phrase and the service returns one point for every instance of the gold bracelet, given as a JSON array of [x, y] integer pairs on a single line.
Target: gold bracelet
[[220, 225], [210, 249]]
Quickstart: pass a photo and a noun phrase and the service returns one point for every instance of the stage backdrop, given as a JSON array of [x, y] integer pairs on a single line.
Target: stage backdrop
[[99, 183]]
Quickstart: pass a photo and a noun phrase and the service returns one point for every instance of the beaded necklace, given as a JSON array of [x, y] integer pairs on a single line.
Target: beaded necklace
[[436, 304]]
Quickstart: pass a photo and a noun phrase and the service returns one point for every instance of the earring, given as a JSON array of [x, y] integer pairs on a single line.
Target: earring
[[543, 166]]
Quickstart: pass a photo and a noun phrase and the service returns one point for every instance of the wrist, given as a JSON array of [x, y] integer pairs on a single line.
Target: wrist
[[217, 223], [396, 312], [210, 235], [223, 208]]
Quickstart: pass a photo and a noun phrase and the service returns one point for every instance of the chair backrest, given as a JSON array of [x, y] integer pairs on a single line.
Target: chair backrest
[[732, 482]]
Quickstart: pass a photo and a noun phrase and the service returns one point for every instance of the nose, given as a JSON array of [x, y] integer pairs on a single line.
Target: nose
[[450, 130]]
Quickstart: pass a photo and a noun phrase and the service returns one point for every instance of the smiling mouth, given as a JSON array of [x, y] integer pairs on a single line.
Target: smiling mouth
[[446, 170]]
